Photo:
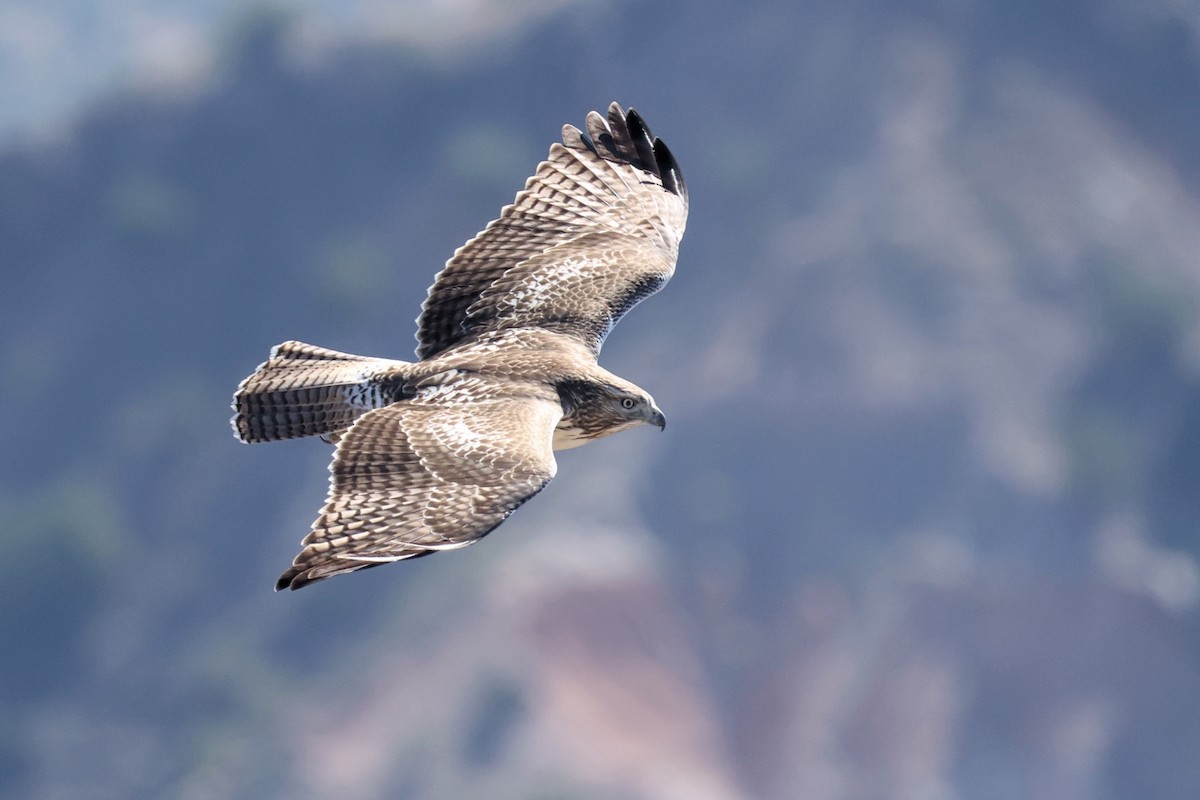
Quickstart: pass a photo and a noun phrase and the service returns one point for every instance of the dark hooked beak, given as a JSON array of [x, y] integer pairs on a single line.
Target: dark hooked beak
[[659, 420]]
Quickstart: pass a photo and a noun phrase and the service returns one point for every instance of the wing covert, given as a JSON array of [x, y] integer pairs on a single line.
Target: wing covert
[[595, 230], [437, 472]]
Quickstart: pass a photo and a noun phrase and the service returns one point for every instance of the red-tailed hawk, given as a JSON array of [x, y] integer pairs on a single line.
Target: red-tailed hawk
[[433, 455]]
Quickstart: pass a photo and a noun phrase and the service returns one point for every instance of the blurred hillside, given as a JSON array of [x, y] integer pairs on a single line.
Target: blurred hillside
[[926, 520]]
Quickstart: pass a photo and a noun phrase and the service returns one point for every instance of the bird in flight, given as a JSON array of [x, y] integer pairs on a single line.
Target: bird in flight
[[434, 454]]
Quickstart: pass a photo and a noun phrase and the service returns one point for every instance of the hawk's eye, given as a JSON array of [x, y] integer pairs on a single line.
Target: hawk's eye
[[628, 402]]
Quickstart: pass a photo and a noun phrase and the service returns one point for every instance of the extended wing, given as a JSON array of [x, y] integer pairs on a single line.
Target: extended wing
[[437, 472], [595, 231]]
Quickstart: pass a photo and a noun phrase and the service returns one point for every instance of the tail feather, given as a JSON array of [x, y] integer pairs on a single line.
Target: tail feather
[[304, 390]]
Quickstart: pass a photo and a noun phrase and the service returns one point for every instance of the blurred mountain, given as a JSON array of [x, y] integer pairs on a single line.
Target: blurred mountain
[[925, 521], [56, 55]]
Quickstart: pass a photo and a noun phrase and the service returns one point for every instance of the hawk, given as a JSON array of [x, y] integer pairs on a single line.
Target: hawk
[[434, 454]]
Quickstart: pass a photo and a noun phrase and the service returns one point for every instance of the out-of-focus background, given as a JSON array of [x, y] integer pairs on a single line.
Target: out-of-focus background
[[926, 520]]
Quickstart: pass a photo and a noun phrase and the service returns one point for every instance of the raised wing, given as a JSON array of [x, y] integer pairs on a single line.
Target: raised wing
[[595, 231], [437, 472]]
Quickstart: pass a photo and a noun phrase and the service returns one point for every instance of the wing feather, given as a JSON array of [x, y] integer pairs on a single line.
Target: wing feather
[[597, 192], [438, 472]]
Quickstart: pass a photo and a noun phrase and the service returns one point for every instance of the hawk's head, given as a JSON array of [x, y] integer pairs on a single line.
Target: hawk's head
[[592, 409]]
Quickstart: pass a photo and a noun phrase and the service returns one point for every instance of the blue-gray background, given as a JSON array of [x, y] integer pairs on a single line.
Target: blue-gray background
[[926, 519]]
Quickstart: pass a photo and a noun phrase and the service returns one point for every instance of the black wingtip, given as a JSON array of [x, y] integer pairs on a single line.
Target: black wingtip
[[628, 138], [294, 578], [643, 142], [668, 168], [587, 142]]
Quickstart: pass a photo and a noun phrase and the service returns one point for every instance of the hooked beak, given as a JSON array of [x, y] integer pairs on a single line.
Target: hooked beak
[[658, 419]]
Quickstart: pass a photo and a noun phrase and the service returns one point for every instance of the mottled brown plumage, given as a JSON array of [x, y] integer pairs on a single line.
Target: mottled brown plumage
[[433, 455]]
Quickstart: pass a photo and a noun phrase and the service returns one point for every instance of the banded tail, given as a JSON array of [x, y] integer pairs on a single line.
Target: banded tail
[[304, 390]]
